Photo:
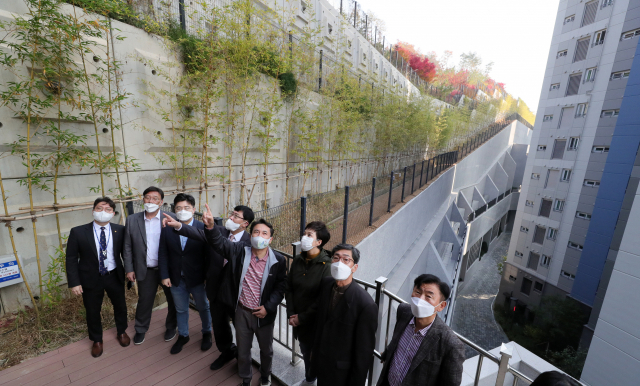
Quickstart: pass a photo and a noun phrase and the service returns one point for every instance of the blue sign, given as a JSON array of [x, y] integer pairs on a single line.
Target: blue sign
[[9, 271]]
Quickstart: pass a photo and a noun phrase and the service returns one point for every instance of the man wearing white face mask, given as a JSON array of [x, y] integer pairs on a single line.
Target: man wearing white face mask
[[141, 245], [424, 350], [253, 286], [346, 324], [94, 266]]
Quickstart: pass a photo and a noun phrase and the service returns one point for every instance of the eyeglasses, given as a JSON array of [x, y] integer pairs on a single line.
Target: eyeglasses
[[107, 209], [152, 198], [346, 260], [187, 208], [235, 215]]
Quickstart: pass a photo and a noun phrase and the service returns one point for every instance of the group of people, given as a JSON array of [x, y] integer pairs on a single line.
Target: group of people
[[234, 275]]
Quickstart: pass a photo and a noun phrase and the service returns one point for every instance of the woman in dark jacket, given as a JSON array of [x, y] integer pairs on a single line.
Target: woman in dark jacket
[[303, 286]]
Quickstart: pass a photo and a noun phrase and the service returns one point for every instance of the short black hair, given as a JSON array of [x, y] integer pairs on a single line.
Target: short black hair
[[153, 189], [105, 199], [247, 213], [184, 197], [427, 278], [355, 253], [554, 378], [322, 233], [261, 221]]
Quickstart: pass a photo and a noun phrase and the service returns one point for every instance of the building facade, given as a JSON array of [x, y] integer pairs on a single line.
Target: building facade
[[580, 179]]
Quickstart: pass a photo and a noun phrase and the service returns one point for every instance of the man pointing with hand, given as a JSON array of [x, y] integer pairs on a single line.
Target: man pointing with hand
[[253, 286]]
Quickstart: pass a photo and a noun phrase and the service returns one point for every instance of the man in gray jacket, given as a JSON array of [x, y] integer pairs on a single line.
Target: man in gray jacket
[[141, 244], [424, 351]]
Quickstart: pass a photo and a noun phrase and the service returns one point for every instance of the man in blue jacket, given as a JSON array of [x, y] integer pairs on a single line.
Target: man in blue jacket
[[183, 264]]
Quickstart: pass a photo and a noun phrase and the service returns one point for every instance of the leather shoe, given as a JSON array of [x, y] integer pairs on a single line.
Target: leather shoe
[[138, 338], [170, 334], [206, 341], [96, 350], [222, 359], [124, 339], [177, 347]]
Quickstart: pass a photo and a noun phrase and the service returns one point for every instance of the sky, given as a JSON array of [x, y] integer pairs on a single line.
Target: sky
[[514, 34]]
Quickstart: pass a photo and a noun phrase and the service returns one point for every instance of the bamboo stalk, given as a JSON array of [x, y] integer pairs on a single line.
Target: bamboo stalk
[[113, 141]]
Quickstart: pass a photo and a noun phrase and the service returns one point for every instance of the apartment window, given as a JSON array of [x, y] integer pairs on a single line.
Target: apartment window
[[558, 148], [620, 75], [524, 229], [555, 86], [591, 183], [581, 110], [545, 208], [552, 233], [600, 149], [565, 175], [583, 215], [529, 203], [573, 245], [569, 19], [542, 147], [534, 259], [630, 34], [606, 3], [574, 84], [573, 143], [538, 235], [519, 254], [546, 260], [547, 118], [558, 205], [609, 113], [582, 46], [590, 75], [599, 38], [567, 275], [562, 53], [537, 287], [535, 176], [526, 286], [589, 16]]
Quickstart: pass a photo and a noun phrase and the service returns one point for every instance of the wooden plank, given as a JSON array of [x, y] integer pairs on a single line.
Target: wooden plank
[[202, 373], [18, 378], [25, 368], [183, 369]]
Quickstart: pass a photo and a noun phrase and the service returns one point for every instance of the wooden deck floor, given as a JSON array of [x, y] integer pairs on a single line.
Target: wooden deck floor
[[147, 364]]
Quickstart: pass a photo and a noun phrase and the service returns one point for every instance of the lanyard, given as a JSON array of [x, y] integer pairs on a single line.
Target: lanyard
[[103, 251]]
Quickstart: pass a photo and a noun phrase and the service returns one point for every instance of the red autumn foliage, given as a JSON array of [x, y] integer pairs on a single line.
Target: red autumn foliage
[[420, 63]]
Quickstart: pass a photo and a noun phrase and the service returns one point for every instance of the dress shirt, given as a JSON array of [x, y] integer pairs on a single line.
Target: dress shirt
[[110, 262], [152, 228], [407, 348], [183, 239], [236, 237], [252, 283]]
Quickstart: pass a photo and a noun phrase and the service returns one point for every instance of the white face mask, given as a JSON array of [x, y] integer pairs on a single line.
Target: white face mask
[[340, 271], [102, 216], [306, 243], [231, 226], [259, 243], [150, 208], [422, 308], [184, 215]]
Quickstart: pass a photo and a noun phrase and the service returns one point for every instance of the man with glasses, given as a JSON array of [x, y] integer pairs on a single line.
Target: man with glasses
[[94, 266], [183, 266], [347, 321], [253, 286], [234, 230], [141, 245]]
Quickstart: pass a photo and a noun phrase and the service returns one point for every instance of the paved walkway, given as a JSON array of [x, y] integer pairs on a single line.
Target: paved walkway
[[473, 316]]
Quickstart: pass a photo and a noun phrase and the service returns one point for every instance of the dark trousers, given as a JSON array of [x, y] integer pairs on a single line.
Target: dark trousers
[[92, 299], [220, 316], [306, 357], [147, 290]]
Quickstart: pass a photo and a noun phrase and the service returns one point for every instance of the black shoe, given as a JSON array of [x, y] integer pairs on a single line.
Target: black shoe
[[177, 347], [170, 334], [138, 338], [265, 381], [223, 359], [245, 383], [206, 341]]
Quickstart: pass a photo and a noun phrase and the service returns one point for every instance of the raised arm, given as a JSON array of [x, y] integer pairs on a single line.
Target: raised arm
[[192, 232]]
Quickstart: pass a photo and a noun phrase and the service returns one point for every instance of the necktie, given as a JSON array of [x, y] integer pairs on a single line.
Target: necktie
[[232, 237], [103, 252]]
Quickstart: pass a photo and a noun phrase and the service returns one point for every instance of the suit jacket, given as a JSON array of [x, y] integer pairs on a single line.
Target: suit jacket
[[217, 266], [438, 361], [135, 244], [173, 261], [274, 280], [83, 266], [345, 336]]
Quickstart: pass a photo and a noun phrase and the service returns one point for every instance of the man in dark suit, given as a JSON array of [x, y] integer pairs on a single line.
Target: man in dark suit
[[94, 266], [424, 351], [346, 324], [183, 265], [141, 245], [253, 286]]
